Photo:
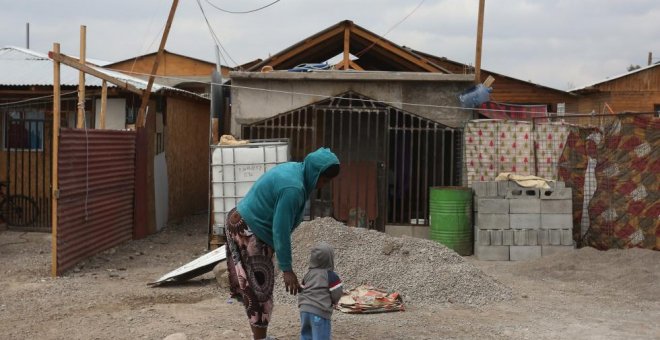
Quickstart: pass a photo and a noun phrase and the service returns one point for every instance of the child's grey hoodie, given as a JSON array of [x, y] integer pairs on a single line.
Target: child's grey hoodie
[[322, 286]]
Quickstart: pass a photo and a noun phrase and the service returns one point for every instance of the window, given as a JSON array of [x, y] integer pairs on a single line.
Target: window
[[23, 130], [561, 109], [656, 108]]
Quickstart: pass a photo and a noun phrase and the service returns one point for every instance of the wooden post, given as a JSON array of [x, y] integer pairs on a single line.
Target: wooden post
[[81, 79], [480, 33], [104, 104], [144, 217], [145, 97], [346, 49], [55, 145]]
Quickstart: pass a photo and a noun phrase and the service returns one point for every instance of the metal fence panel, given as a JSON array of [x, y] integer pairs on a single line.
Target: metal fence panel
[[96, 175]]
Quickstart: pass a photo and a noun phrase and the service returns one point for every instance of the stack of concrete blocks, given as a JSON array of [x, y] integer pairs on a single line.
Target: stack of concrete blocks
[[516, 223]]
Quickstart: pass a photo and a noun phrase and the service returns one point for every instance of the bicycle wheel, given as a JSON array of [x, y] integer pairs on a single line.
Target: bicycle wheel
[[19, 210]]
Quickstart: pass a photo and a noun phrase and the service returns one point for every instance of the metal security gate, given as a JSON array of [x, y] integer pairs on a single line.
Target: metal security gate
[[389, 157], [28, 150]]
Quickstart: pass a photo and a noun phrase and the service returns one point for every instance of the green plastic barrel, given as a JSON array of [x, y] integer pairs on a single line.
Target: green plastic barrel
[[451, 218]]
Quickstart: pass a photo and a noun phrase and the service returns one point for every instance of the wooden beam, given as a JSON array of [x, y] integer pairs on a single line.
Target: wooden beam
[[73, 62], [339, 65], [355, 66], [55, 152], [489, 81], [276, 60], [145, 96], [81, 79], [104, 104], [480, 33], [347, 48], [396, 50]]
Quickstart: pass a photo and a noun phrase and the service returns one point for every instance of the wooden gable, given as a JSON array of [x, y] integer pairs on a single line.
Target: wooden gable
[[636, 91], [172, 65], [373, 52]]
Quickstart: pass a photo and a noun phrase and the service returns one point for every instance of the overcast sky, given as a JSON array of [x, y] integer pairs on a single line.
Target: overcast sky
[[557, 43]]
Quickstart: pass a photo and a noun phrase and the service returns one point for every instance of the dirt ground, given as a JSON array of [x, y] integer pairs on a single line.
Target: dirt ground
[[585, 294]]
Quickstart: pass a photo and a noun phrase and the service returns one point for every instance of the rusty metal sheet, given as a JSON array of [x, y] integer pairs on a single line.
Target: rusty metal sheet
[[96, 174]]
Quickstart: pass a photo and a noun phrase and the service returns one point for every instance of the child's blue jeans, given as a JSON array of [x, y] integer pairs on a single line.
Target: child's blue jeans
[[314, 327]]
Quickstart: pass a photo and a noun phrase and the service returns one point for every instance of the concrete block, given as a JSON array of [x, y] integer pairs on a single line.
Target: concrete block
[[514, 185], [483, 237], [555, 237], [399, 230], [528, 206], [522, 193], [524, 253], [485, 189], [492, 253], [552, 250], [502, 188], [543, 237], [492, 221], [524, 221], [520, 237], [496, 237], [558, 185], [566, 237], [556, 206], [507, 237], [557, 221], [493, 205], [558, 194], [421, 231], [532, 237]]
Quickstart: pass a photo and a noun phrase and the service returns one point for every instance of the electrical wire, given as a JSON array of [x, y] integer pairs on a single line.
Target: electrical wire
[[366, 49], [35, 98], [215, 36], [241, 12], [393, 103], [152, 42]]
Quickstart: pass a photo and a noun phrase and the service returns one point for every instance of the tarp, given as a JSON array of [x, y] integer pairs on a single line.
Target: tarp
[[525, 181], [495, 146], [625, 164], [367, 299]]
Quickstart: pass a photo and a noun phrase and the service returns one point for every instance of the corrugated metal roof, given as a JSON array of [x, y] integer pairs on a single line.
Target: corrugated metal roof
[[22, 67]]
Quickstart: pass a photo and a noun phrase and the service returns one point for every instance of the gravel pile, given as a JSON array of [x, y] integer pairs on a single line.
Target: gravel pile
[[424, 272]]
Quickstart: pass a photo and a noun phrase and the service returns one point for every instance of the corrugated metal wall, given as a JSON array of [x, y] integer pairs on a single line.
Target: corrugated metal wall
[[96, 173]]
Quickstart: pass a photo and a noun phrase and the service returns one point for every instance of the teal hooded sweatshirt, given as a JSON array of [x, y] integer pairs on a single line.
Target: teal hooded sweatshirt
[[275, 204]]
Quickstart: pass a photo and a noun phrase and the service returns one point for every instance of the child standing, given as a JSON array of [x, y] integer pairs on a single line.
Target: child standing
[[322, 289]]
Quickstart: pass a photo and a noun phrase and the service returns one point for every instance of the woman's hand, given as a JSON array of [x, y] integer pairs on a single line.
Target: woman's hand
[[291, 283]]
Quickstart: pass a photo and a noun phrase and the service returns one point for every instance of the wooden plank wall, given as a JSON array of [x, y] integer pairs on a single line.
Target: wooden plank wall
[[637, 92], [514, 91], [172, 65], [187, 152]]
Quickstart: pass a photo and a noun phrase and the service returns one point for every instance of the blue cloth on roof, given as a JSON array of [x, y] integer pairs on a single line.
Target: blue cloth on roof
[[310, 67]]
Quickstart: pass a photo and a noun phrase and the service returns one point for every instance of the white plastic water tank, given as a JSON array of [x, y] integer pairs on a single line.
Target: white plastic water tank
[[235, 168]]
